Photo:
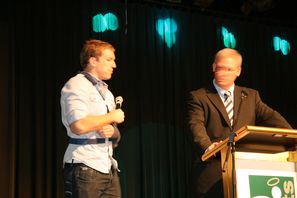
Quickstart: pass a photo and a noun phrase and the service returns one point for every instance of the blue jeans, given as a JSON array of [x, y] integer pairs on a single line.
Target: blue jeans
[[81, 181]]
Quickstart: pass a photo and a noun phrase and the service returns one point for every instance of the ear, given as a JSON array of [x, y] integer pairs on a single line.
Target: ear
[[213, 67], [238, 72], [92, 61]]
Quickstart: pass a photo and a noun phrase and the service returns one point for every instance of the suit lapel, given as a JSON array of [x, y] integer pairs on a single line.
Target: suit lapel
[[237, 101], [239, 94]]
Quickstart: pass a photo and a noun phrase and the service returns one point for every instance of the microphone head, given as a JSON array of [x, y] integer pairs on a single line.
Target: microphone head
[[119, 101]]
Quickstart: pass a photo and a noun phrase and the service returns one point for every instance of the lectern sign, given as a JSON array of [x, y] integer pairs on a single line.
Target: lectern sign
[[271, 186]]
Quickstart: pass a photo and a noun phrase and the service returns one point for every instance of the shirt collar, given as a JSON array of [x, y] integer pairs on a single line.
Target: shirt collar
[[221, 91]]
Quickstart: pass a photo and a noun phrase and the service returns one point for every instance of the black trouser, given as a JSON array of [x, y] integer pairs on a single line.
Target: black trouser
[[207, 179], [81, 181]]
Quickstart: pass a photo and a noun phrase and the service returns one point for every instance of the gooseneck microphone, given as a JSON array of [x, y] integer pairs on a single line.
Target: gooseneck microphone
[[119, 101], [233, 134]]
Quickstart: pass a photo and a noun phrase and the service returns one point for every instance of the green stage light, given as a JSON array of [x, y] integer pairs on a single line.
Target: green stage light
[[276, 43], [281, 45], [103, 23], [228, 38], [167, 28]]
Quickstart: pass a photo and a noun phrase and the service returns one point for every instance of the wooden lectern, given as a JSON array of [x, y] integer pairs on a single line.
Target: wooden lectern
[[253, 139]]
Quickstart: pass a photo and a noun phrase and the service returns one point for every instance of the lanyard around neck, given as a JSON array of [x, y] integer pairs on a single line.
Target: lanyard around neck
[[95, 83]]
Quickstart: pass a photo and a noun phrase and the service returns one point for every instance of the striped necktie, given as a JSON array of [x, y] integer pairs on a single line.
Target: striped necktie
[[229, 105]]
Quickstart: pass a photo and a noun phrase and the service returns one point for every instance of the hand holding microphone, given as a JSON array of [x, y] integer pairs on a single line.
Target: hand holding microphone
[[118, 114]]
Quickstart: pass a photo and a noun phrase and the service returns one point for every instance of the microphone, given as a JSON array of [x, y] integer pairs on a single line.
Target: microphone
[[233, 134], [119, 101], [243, 94]]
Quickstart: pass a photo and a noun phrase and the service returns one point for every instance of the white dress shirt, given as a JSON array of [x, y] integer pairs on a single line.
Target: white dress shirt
[[80, 98]]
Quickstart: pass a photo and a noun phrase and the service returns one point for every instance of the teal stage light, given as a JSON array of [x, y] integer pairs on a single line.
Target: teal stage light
[[167, 28], [105, 22], [281, 45], [228, 38]]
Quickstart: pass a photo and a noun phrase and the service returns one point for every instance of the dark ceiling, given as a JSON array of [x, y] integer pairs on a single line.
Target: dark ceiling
[[270, 9], [282, 11]]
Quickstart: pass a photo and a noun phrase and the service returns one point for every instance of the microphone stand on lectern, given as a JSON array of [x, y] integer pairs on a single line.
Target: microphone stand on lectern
[[231, 147]]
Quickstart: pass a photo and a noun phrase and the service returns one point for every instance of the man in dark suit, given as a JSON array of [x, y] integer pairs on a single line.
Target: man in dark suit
[[210, 123]]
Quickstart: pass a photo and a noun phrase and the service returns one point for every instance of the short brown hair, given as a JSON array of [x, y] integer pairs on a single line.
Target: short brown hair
[[93, 48]]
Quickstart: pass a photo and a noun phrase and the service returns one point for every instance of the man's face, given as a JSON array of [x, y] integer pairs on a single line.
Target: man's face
[[105, 64], [226, 70]]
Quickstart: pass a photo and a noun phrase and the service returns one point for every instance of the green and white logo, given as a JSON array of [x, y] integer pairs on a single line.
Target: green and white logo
[[271, 186]]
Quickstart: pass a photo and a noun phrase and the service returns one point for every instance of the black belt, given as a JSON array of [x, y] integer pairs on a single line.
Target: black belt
[[83, 141], [68, 165]]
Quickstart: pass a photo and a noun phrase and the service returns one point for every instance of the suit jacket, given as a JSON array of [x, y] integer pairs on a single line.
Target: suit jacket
[[209, 122]]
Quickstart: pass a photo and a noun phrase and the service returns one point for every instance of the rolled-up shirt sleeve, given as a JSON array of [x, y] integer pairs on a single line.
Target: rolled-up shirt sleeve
[[75, 105], [74, 101]]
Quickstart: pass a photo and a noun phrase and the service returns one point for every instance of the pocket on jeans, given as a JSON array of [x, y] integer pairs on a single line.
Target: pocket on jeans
[[85, 173]]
